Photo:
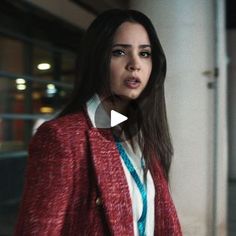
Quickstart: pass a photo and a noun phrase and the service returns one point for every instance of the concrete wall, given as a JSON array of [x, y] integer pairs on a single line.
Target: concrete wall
[[187, 32], [231, 36]]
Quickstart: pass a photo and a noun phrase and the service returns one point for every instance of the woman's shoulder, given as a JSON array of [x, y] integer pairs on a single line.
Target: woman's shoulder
[[71, 124]]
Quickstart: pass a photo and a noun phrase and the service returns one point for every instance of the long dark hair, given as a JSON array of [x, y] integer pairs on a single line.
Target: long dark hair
[[93, 77]]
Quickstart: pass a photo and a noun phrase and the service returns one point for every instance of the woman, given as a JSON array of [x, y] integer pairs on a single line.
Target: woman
[[83, 179]]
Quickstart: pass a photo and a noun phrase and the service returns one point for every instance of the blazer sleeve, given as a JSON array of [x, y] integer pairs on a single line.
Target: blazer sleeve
[[48, 185]]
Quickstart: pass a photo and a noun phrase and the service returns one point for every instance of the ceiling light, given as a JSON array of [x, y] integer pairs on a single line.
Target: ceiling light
[[21, 86], [51, 86], [20, 81], [46, 109], [51, 90], [44, 66]]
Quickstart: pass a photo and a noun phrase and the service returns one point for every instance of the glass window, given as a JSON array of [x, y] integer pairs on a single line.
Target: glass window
[[49, 98], [11, 56], [68, 67], [13, 134], [37, 69], [23, 96], [12, 95], [42, 63], [28, 100]]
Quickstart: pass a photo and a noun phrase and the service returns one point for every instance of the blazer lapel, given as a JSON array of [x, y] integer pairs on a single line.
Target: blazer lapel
[[111, 182]]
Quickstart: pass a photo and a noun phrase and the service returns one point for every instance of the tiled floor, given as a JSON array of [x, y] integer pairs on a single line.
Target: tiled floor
[[8, 214]]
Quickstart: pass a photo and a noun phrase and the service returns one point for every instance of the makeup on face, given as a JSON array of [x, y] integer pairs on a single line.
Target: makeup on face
[[131, 60]]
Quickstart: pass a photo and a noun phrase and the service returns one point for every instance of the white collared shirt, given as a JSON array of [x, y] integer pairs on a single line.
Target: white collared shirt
[[135, 158]]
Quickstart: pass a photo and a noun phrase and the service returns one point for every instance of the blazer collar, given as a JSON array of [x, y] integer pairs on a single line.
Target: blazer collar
[[111, 181]]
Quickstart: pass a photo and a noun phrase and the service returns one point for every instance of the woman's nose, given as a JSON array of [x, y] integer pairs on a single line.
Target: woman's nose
[[133, 64]]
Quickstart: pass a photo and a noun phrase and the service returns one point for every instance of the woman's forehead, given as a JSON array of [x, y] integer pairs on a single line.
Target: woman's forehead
[[129, 33]]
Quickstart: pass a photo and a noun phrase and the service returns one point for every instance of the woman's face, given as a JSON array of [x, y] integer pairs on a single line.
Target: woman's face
[[131, 61]]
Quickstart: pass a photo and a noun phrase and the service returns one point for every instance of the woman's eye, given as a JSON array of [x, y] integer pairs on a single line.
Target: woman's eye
[[145, 54], [118, 53]]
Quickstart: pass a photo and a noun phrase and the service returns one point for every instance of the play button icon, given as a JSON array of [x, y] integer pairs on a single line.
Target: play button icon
[[117, 118], [118, 123]]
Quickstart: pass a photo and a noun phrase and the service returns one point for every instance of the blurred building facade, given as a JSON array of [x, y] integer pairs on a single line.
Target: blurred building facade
[[192, 33]]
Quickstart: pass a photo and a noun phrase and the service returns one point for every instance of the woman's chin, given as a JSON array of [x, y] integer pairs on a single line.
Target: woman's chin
[[128, 97]]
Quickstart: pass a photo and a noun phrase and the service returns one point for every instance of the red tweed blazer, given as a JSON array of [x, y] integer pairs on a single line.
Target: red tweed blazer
[[75, 185]]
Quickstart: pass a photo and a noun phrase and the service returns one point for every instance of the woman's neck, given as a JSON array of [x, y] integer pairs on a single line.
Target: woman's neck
[[118, 104]]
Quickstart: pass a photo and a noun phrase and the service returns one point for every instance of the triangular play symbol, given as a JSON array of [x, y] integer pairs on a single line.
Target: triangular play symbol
[[117, 118]]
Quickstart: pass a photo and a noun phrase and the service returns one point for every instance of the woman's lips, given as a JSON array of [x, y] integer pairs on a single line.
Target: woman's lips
[[132, 82]]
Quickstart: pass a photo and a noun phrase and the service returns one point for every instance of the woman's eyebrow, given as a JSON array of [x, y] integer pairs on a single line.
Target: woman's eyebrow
[[129, 45]]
